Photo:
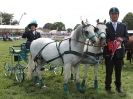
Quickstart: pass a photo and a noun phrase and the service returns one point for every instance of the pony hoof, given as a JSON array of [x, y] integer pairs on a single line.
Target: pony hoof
[[80, 88], [96, 84], [66, 91], [83, 89]]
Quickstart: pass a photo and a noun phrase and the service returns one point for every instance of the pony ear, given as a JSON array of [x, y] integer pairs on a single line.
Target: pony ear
[[87, 21], [83, 23], [97, 20], [105, 21], [96, 29], [81, 18]]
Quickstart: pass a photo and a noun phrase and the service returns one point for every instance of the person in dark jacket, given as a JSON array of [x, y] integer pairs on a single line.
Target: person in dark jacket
[[31, 33], [114, 52]]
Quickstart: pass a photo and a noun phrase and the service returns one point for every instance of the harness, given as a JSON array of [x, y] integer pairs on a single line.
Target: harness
[[38, 56], [92, 54], [101, 33], [96, 55]]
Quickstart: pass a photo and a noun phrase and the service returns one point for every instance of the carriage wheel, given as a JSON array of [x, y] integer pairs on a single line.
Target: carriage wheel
[[19, 73], [58, 70], [8, 70]]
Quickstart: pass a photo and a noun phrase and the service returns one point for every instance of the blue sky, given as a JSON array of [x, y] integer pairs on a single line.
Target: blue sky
[[66, 11]]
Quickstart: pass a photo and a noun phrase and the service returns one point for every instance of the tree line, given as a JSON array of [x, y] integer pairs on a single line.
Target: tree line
[[8, 19]]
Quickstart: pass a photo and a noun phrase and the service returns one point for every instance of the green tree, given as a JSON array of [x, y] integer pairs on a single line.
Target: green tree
[[6, 18], [128, 19], [48, 26], [69, 30], [59, 26], [14, 22]]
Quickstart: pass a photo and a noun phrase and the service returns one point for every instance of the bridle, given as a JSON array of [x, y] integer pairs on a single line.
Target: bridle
[[99, 33], [86, 34]]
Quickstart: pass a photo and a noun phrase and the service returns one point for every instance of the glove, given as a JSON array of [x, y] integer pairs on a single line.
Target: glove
[[117, 44]]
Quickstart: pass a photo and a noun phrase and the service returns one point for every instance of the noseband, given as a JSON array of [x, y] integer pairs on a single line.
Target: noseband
[[84, 32], [100, 33]]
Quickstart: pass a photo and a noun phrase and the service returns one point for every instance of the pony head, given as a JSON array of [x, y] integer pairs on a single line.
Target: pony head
[[88, 31], [101, 31]]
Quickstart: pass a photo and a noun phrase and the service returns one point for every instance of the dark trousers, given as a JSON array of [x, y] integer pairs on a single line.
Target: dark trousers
[[28, 43], [117, 66]]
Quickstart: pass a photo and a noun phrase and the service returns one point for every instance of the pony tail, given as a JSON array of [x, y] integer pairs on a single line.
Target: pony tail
[[30, 66]]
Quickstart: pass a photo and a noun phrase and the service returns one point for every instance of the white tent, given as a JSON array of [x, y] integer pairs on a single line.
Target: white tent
[[11, 28]]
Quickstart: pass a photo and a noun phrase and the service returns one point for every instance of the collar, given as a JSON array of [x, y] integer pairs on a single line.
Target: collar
[[34, 32], [114, 22]]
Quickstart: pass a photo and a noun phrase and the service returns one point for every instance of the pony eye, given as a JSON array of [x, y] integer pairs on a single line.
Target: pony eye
[[96, 30], [86, 32]]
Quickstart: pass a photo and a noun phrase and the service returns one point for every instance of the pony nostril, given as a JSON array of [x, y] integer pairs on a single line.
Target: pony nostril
[[93, 42], [101, 39]]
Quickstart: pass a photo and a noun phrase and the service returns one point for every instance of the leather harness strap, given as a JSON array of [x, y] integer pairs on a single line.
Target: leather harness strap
[[92, 54], [38, 56]]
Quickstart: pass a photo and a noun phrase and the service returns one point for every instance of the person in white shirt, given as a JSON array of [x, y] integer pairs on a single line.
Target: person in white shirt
[[114, 52]]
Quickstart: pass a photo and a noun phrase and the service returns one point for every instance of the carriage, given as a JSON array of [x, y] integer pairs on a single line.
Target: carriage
[[67, 53], [18, 61]]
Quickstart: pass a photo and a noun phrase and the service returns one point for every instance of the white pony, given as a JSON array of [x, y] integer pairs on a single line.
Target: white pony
[[66, 52], [93, 54]]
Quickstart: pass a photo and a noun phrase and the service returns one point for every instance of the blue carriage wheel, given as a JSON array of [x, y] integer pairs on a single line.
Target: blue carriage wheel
[[19, 73], [8, 69]]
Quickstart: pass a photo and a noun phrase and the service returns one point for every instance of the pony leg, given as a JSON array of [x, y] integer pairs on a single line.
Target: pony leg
[[30, 66], [38, 74], [72, 73], [86, 67], [77, 72], [38, 77], [95, 76], [67, 75], [83, 84]]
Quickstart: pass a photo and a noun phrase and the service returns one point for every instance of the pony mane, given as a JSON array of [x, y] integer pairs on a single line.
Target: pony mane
[[77, 32]]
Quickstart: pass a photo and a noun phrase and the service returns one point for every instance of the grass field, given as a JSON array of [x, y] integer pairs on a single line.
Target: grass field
[[10, 89]]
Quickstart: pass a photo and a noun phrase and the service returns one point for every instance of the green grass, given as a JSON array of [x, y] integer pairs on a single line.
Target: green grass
[[10, 89]]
